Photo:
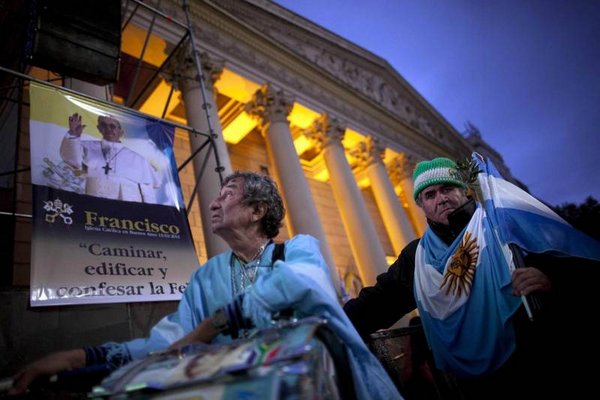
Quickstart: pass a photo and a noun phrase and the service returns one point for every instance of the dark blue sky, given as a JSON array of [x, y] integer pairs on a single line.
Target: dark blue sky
[[526, 73]]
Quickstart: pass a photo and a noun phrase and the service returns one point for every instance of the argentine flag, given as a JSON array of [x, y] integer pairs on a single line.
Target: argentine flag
[[527, 222], [464, 291]]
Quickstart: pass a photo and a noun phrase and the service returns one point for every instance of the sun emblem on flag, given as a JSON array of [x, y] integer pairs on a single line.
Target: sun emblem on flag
[[459, 274]]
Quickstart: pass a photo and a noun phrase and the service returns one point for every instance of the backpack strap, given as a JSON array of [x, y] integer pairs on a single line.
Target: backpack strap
[[278, 252]]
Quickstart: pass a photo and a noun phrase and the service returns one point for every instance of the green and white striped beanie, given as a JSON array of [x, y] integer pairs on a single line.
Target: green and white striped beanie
[[434, 172]]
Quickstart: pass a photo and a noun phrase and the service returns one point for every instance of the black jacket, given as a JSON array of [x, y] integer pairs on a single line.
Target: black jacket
[[392, 297]]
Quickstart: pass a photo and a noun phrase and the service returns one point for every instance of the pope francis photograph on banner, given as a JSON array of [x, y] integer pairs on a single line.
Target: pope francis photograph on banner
[[109, 221], [84, 147]]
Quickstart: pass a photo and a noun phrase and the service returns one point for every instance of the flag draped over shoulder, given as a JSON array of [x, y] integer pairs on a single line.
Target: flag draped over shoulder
[[463, 291], [467, 321]]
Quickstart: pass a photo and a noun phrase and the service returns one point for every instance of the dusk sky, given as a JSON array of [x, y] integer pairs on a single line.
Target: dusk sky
[[525, 72]]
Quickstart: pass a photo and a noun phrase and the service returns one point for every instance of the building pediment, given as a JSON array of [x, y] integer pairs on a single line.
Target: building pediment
[[365, 73], [269, 44]]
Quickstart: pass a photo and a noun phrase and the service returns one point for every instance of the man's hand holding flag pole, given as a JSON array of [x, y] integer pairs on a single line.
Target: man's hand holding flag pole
[[520, 222]]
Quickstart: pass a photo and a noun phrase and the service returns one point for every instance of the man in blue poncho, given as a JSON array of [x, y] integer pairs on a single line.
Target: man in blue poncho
[[239, 291], [468, 294]]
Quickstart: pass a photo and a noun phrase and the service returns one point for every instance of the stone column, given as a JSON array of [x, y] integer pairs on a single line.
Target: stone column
[[327, 134], [370, 155], [271, 108], [400, 171], [197, 107]]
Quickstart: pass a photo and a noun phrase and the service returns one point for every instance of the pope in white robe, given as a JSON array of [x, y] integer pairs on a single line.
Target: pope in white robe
[[112, 170]]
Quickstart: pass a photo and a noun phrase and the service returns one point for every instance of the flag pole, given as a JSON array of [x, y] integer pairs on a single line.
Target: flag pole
[[531, 301]]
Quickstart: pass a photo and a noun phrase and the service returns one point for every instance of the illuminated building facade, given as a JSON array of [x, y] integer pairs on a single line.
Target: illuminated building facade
[[337, 127]]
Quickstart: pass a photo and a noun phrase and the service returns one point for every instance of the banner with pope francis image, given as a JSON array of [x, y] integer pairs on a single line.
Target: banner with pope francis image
[[109, 222]]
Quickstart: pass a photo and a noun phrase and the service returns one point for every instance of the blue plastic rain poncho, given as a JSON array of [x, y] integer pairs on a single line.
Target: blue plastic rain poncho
[[300, 282]]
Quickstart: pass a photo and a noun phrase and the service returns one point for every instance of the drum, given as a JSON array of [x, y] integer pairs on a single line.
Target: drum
[[406, 357]]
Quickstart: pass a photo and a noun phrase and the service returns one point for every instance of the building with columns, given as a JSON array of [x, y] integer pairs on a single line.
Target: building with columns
[[336, 126]]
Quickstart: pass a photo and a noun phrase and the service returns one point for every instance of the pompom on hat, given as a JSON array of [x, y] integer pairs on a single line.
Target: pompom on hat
[[434, 172]]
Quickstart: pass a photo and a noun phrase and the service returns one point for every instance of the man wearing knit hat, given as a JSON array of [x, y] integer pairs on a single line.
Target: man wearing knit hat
[[476, 332], [442, 192]]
